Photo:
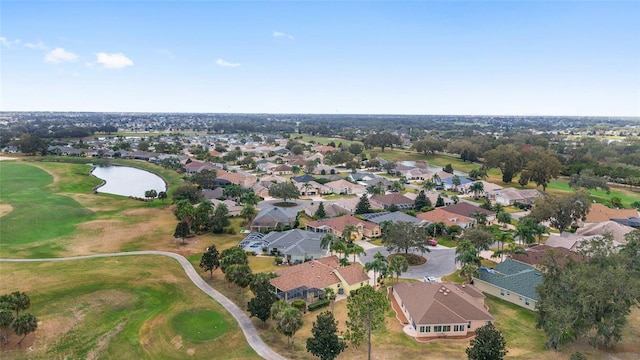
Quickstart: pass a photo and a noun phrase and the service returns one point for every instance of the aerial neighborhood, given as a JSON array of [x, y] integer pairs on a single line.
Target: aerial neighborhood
[[437, 240]]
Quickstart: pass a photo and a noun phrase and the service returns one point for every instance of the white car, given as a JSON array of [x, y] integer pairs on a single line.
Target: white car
[[430, 279]]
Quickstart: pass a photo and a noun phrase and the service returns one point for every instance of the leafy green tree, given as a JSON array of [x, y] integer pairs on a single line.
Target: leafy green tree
[[6, 319], [398, 265], [32, 144], [456, 182], [185, 211], [366, 312], [182, 231], [421, 201], [320, 212], [588, 180], [349, 232], [162, 195], [339, 246], [24, 325], [562, 210], [543, 168], [488, 344], [448, 169], [355, 250], [363, 205], [503, 218], [220, 218], [202, 216], [233, 191], [327, 241], [439, 201], [469, 271], [507, 158], [17, 301], [189, 192], [467, 253], [150, 194], [325, 342], [397, 186], [480, 237], [331, 295], [248, 212], [240, 275], [205, 178], [231, 256], [480, 218], [260, 305], [249, 198], [403, 236], [210, 260], [284, 191]]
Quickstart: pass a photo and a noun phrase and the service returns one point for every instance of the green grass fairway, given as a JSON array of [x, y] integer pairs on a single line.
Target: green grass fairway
[[627, 197], [120, 308], [199, 325], [38, 214]]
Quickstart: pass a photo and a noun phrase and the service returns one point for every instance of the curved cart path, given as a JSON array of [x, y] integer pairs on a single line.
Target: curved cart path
[[245, 324]]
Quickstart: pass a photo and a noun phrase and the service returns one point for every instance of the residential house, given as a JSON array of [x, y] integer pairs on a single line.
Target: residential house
[[303, 178], [508, 196], [462, 188], [536, 254], [634, 222], [394, 199], [394, 217], [438, 310], [416, 174], [232, 206], [308, 280], [211, 194], [467, 209], [281, 170], [295, 246], [312, 188], [322, 169], [448, 218], [196, 166], [266, 166], [315, 157], [350, 204], [260, 190], [386, 183], [336, 226], [331, 209], [490, 189], [246, 181], [274, 179], [355, 177], [511, 280], [274, 218], [343, 187], [599, 212]]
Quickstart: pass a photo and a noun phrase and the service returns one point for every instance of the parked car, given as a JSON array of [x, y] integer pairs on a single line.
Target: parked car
[[430, 279], [433, 242]]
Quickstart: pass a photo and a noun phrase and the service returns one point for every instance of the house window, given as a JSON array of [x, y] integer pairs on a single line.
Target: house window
[[469, 325], [501, 292], [437, 328], [427, 329], [338, 284], [458, 327], [446, 328], [526, 301]]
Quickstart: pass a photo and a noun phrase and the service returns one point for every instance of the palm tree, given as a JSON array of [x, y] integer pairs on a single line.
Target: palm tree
[[327, 241], [248, 212], [349, 231], [398, 265], [504, 237], [331, 295], [511, 249], [378, 265], [497, 207], [456, 182], [249, 198], [469, 270], [504, 218], [480, 217], [396, 186], [428, 185], [339, 246], [306, 186], [476, 188], [436, 179], [467, 253], [355, 250]]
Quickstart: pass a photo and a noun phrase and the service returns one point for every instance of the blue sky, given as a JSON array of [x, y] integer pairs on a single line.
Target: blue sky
[[366, 57]]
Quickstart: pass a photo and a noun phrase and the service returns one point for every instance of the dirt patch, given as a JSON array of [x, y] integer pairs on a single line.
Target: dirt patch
[[191, 352], [5, 209], [177, 341], [103, 341]]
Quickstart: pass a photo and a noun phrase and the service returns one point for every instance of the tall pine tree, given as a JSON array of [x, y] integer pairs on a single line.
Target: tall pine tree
[[363, 206], [320, 213]]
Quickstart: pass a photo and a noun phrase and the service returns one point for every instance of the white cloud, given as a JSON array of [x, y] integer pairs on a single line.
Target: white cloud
[[8, 43], [113, 61], [38, 45], [59, 55], [223, 63], [278, 34]]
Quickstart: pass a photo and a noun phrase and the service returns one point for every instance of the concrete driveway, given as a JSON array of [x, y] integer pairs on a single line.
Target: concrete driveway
[[440, 262]]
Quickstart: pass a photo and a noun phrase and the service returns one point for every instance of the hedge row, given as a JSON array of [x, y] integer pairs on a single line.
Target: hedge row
[[319, 304]]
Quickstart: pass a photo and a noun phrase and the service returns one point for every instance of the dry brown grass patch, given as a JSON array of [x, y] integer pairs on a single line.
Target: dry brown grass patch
[[5, 209]]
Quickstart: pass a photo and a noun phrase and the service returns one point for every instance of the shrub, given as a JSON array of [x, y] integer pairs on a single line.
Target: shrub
[[318, 305], [279, 260], [230, 230], [353, 293], [300, 305]]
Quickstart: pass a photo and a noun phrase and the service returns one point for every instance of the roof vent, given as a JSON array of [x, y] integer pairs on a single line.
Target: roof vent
[[445, 294], [440, 290], [464, 286]]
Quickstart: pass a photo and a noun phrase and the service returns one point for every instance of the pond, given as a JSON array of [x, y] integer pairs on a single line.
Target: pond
[[128, 181]]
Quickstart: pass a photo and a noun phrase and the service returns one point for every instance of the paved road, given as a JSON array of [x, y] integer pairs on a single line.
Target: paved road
[[440, 262], [245, 324]]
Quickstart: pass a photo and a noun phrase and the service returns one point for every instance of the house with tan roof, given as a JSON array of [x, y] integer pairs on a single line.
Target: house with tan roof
[[467, 209], [281, 170], [308, 280], [343, 187], [350, 204], [330, 209], [439, 310], [448, 218], [386, 201], [336, 225], [237, 178], [508, 196], [599, 212]]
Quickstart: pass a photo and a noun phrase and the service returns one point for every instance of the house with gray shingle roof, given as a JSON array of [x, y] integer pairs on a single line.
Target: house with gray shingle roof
[[273, 219], [295, 245], [394, 217], [511, 280]]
